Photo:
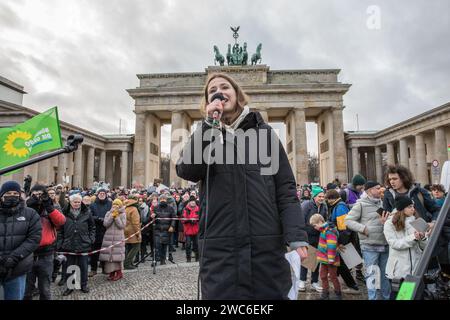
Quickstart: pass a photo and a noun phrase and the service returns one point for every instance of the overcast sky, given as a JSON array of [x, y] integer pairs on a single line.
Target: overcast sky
[[82, 55]]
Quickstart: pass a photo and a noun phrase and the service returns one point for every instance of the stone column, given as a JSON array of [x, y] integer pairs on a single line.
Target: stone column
[[124, 169], [78, 167], [102, 168], [139, 149], [340, 151], [421, 163], [61, 168], [404, 158], [109, 178], [440, 146], [90, 167], [363, 164], [378, 165], [177, 133], [390, 153], [301, 155], [355, 161]]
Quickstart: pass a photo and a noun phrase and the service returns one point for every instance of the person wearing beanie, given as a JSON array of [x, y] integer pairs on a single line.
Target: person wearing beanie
[[51, 221], [310, 207], [99, 208], [114, 222], [20, 231], [190, 226], [77, 236], [163, 228], [405, 243], [365, 219], [132, 231], [350, 196], [337, 212]]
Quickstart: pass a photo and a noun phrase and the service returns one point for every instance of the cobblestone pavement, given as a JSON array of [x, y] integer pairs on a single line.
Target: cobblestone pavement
[[171, 282], [176, 281]]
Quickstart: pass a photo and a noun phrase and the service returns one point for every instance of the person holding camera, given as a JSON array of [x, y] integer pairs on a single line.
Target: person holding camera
[[367, 217], [20, 234], [51, 220]]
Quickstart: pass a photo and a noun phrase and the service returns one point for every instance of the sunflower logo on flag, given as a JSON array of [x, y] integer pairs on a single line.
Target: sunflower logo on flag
[[10, 147]]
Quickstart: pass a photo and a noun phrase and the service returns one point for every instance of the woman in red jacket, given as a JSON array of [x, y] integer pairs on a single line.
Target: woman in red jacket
[[190, 212]]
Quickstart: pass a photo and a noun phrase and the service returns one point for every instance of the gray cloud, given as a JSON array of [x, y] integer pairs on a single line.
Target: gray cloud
[[81, 55]]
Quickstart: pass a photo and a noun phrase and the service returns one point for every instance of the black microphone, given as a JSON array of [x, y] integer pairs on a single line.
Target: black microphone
[[217, 95]]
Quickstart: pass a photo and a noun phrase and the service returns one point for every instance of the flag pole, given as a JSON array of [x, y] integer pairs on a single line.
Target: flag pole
[[72, 144]]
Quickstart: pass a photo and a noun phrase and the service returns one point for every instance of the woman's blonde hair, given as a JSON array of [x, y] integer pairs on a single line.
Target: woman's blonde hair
[[316, 219], [241, 98]]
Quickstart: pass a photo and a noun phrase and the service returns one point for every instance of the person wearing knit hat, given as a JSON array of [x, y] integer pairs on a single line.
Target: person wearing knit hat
[[331, 186], [9, 186], [311, 207], [404, 241], [20, 231], [402, 202], [112, 258], [358, 180], [118, 203], [162, 197], [315, 191], [370, 184], [366, 218]]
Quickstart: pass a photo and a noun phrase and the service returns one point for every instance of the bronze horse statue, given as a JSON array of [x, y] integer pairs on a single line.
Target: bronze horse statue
[[229, 54], [218, 57], [257, 55]]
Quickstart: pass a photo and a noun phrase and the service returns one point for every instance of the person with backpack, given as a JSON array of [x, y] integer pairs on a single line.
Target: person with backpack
[[401, 183], [338, 211], [350, 195], [367, 218]]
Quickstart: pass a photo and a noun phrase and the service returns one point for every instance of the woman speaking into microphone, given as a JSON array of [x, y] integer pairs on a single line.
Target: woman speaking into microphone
[[249, 210]]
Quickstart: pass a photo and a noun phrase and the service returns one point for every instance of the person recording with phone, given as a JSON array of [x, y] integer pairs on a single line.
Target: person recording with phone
[[51, 220], [248, 216], [367, 217]]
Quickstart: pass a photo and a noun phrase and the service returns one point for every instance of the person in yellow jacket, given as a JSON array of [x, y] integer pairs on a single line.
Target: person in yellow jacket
[[132, 227]]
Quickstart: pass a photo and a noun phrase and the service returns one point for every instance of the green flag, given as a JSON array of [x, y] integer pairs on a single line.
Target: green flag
[[40, 133]]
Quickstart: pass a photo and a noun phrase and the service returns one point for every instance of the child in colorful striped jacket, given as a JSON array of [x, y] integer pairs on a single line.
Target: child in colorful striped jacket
[[327, 255]]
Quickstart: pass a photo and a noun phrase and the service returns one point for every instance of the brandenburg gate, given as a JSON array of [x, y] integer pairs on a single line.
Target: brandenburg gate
[[290, 96]]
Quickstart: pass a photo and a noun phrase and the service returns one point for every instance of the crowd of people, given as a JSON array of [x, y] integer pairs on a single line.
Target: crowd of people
[[48, 229], [375, 217], [52, 230]]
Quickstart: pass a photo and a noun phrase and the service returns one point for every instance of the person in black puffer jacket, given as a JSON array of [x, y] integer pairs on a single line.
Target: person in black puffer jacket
[[163, 228], [99, 209], [77, 236], [20, 235]]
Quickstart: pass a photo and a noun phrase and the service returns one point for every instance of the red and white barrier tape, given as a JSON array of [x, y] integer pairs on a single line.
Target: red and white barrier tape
[[120, 242]]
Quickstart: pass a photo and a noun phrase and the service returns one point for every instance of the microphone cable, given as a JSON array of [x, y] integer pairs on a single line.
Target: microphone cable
[[221, 97]]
